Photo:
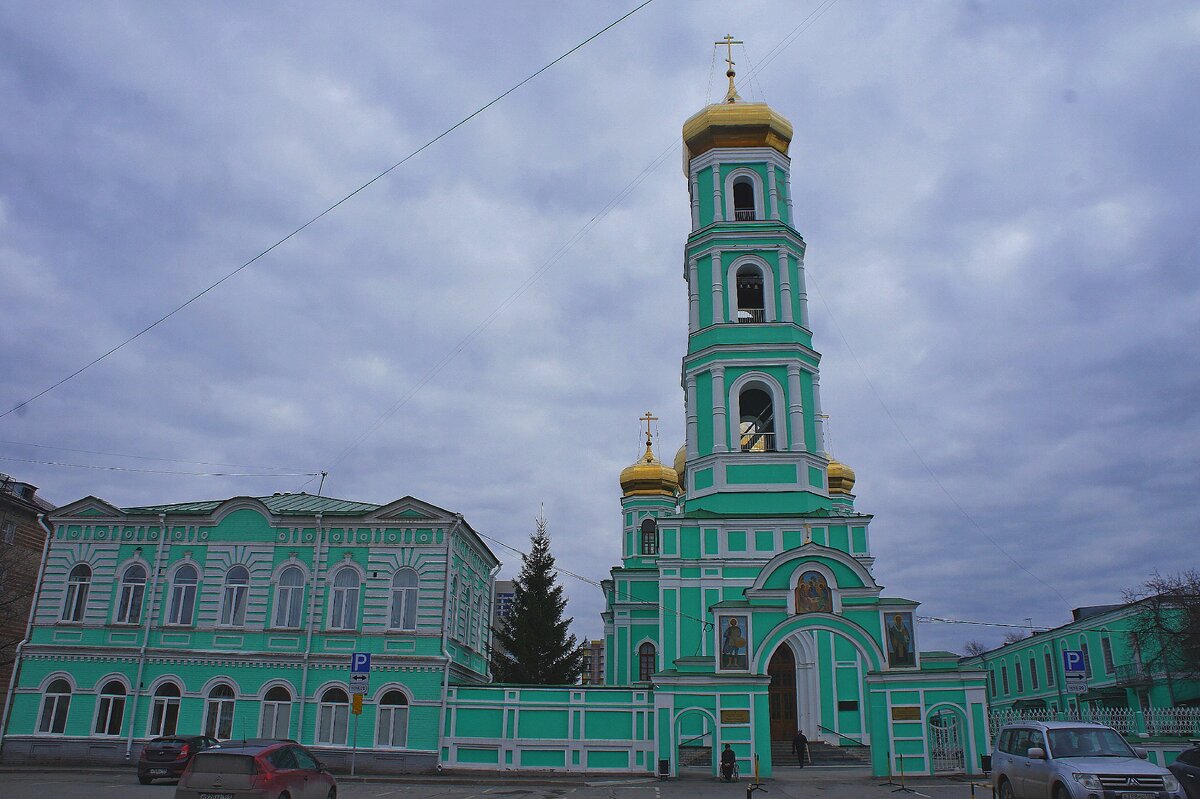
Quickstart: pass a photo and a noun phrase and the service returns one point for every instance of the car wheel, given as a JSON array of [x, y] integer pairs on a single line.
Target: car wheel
[[1061, 792], [145, 780], [1006, 791], [332, 794]]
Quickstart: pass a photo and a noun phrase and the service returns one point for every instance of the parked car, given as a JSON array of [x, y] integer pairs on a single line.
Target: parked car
[[166, 757], [1186, 769], [1074, 760], [268, 770]]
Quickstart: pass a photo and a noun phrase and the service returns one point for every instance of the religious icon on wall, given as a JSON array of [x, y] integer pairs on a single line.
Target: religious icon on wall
[[900, 639], [813, 594], [734, 638]]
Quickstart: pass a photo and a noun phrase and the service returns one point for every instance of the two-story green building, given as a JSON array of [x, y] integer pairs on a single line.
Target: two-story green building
[[237, 618]]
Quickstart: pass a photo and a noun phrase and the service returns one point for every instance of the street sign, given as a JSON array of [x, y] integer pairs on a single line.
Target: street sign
[[356, 704], [1076, 683], [1073, 662], [360, 663], [359, 683]]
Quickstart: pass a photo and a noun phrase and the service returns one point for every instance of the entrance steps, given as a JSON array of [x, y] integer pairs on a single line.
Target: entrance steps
[[820, 754]]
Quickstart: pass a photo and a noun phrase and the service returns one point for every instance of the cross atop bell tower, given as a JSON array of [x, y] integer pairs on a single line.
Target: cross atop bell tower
[[731, 96]]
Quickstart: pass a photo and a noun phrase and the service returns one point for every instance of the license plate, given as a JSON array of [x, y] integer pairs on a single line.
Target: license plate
[[158, 772], [230, 796], [1137, 795]]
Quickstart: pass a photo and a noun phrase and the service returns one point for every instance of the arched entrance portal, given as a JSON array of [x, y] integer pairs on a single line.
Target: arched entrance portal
[[695, 739], [946, 741], [782, 694]]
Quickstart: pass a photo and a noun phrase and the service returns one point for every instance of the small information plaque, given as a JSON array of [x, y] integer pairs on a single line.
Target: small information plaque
[[735, 716], [906, 713]]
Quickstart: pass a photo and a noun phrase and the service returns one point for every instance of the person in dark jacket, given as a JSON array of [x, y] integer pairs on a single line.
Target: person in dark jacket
[[800, 746], [728, 761]]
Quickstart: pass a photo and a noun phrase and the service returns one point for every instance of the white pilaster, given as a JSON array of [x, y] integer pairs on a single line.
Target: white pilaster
[[720, 425], [718, 214], [802, 292], [785, 286], [772, 192], [695, 200], [693, 297], [693, 418], [718, 289], [816, 378], [795, 408]]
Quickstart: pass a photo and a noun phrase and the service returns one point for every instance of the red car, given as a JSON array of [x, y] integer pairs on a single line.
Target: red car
[[166, 757], [270, 770]]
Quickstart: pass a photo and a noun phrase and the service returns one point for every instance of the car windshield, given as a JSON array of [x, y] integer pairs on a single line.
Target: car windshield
[[1087, 742]]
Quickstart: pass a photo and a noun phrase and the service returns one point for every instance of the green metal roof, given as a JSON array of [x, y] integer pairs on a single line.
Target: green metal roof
[[283, 504]]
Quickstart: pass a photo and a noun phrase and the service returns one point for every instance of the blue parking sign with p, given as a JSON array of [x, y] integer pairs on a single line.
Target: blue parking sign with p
[[360, 663], [1073, 661]]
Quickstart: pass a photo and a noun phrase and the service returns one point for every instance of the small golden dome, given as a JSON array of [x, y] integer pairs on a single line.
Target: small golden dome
[[680, 465], [841, 478], [735, 124], [649, 476]]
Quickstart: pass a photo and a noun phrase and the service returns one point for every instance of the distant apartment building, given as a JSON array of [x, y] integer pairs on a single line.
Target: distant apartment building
[[502, 601], [22, 539], [593, 663]]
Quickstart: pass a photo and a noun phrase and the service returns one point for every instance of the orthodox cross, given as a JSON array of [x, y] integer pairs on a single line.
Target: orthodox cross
[[729, 42], [648, 418]]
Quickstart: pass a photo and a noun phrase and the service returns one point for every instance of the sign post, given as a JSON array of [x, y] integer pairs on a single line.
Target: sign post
[[360, 678], [1075, 671]]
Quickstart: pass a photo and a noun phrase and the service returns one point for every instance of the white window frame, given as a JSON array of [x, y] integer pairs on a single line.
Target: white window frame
[[275, 711], [183, 595], [159, 707], [756, 187], [235, 597], [215, 708], [110, 708], [403, 610], [343, 601], [289, 601], [331, 713], [132, 596], [75, 602], [392, 717], [49, 714]]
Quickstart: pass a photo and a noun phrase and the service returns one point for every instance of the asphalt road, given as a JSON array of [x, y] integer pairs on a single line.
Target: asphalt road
[[108, 784]]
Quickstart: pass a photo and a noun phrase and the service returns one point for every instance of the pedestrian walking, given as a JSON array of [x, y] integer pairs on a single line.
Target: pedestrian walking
[[800, 746]]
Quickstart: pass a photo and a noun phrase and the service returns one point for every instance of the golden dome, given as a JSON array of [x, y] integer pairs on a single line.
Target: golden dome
[[680, 465], [841, 478], [649, 476], [734, 123]]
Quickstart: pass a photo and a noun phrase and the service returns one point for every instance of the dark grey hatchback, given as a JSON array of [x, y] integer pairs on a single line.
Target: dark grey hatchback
[[165, 758]]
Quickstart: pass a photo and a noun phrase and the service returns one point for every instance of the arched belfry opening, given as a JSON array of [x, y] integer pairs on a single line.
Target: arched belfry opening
[[751, 299], [743, 200], [782, 694], [757, 421]]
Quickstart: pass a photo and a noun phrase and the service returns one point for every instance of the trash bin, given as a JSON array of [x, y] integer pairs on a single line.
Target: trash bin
[[985, 763], [664, 768]]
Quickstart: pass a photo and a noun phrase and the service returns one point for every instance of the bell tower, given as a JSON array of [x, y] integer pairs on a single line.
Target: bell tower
[[755, 443]]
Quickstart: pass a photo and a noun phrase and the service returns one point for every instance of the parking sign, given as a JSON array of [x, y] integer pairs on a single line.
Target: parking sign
[[1073, 661], [360, 663]]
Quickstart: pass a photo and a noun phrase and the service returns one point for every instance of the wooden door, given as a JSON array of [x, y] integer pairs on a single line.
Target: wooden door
[[782, 694]]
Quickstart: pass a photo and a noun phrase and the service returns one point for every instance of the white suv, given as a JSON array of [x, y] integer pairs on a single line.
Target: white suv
[[1074, 760]]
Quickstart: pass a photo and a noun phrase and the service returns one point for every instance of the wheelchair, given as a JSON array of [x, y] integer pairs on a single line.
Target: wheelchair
[[730, 774]]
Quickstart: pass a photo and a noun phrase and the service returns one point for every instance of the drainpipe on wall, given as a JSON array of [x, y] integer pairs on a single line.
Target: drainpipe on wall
[[37, 591], [445, 634], [137, 685], [312, 598], [491, 609]]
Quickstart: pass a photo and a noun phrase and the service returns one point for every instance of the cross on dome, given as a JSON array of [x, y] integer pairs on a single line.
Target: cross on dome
[[731, 96]]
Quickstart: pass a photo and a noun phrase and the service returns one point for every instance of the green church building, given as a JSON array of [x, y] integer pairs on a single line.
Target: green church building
[[745, 607]]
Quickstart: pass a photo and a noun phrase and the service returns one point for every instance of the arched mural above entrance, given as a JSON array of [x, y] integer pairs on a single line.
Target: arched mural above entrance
[[858, 637]]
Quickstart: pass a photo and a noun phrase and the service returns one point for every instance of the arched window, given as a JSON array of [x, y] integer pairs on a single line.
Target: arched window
[[649, 537], [645, 661], [289, 597], [333, 717], [133, 591], [751, 298], [404, 600], [757, 420], [55, 704], [743, 200], [233, 606], [277, 713], [393, 721], [183, 596], [78, 582], [218, 712], [110, 708], [164, 711], [343, 613]]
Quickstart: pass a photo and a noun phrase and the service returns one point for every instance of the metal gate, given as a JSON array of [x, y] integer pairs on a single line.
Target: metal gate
[[946, 742]]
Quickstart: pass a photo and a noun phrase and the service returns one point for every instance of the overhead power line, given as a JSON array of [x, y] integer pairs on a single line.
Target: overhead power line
[[158, 471], [329, 209], [153, 458]]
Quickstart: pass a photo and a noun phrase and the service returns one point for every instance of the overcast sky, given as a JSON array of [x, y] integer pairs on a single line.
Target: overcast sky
[[999, 199]]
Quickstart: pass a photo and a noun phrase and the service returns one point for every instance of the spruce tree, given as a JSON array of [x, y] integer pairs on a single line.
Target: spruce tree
[[533, 644]]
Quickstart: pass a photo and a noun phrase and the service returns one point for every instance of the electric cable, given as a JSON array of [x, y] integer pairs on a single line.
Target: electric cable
[[329, 209], [157, 471], [151, 457]]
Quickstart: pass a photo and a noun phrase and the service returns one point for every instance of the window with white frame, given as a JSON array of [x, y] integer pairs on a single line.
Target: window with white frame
[[110, 709], [233, 604], [343, 608], [757, 422], [751, 294], [218, 712], [649, 537], [182, 607], [133, 592], [393, 721], [743, 200], [55, 704], [78, 583], [1033, 672], [1087, 659], [164, 710], [1107, 653], [1049, 667], [289, 597], [477, 623], [404, 600], [276, 713], [333, 717], [646, 658]]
